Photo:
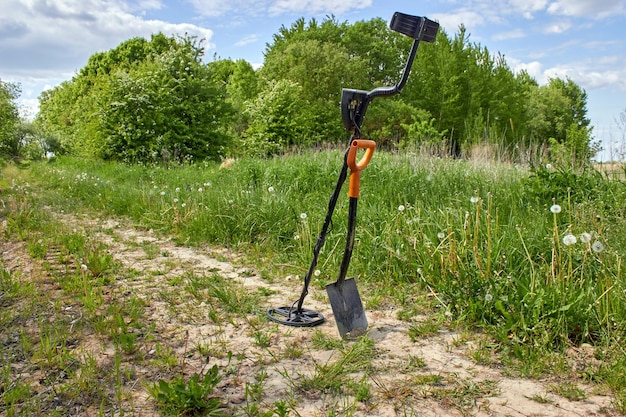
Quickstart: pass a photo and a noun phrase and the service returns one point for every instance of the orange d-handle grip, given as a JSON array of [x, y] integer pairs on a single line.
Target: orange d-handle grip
[[357, 167]]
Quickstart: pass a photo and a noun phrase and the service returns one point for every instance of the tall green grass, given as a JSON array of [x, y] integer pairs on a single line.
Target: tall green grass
[[481, 237]]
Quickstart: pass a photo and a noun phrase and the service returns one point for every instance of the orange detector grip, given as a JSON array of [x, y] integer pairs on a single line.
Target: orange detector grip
[[357, 167]]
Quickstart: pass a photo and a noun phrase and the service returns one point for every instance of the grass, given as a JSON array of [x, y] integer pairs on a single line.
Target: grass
[[533, 258]]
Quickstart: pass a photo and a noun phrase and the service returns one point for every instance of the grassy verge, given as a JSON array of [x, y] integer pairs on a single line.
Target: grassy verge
[[532, 257]]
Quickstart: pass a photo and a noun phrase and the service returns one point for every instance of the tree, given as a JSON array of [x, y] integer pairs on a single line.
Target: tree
[[312, 56], [141, 101], [9, 119], [239, 83], [276, 117]]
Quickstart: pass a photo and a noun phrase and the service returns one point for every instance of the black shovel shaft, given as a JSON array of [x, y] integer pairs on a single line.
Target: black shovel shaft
[[347, 253]]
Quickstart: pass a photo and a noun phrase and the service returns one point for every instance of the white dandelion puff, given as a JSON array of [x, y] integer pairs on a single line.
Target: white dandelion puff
[[401, 208], [317, 273], [555, 208], [303, 216], [585, 237], [569, 239], [474, 199], [597, 246], [488, 297], [441, 235], [270, 189]]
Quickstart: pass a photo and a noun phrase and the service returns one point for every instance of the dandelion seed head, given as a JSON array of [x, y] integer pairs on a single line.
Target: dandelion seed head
[[84, 267], [585, 237], [597, 246], [548, 166], [270, 189], [317, 273], [184, 205], [474, 199], [200, 189], [401, 208], [162, 192], [296, 237], [488, 297], [303, 216], [555, 208], [441, 235], [569, 239], [177, 189], [175, 200]]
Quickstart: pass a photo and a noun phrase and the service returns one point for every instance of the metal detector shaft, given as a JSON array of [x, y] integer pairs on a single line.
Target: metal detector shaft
[[321, 238]]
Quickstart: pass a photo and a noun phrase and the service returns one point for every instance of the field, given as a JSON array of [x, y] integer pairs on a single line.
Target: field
[[491, 290]]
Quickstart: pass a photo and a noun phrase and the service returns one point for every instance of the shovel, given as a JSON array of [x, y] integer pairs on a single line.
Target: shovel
[[343, 294]]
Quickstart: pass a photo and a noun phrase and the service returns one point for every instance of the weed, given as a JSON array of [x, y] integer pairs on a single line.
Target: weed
[[428, 328], [189, 396], [333, 376], [320, 340], [293, 350], [569, 390]]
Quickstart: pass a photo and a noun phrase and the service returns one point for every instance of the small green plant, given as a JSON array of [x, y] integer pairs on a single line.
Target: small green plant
[[322, 341], [37, 248], [333, 376], [569, 390], [428, 328], [97, 261], [192, 396]]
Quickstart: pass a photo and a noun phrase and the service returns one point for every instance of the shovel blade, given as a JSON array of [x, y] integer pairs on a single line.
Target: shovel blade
[[347, 309]]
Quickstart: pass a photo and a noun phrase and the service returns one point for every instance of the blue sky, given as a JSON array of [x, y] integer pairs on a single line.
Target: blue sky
[[44, 42]]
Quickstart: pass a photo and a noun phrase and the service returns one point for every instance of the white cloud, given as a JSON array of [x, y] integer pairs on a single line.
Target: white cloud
[[513, 34], [587, 8], [275, 7], [593, 74], [526, 7], [557, 27], [247, 40], [214, 8], [452, 21], [316, 6], [60, 35]]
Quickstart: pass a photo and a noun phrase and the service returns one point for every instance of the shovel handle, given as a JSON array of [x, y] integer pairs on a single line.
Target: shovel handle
[[357, 167]]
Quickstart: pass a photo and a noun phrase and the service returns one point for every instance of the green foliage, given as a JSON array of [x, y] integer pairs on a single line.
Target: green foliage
[[154, 100], [276, 120], [190, 397], [562, 184], [9, 119], [142, 101]]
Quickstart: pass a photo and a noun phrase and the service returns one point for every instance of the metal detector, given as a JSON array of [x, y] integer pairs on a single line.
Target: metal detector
[[343, 294]]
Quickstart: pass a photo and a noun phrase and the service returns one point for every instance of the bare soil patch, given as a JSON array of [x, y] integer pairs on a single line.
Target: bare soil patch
[[433, 376]]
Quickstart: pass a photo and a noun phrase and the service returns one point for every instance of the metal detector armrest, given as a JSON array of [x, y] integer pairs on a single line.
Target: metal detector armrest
[[420, 28]]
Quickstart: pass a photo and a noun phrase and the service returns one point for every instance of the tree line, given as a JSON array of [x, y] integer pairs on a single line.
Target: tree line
[[154, 99]]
